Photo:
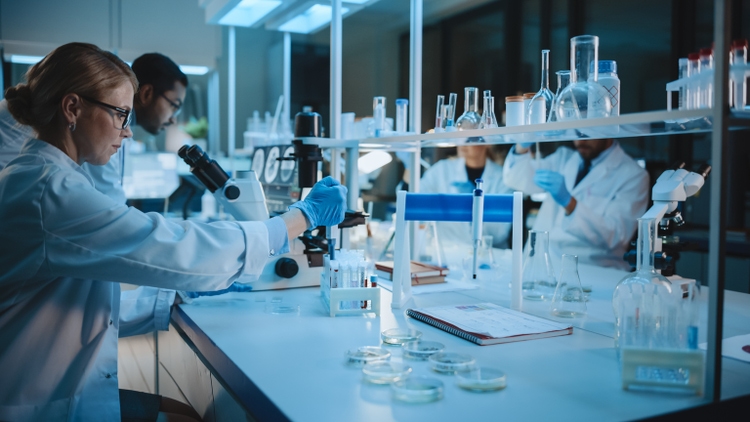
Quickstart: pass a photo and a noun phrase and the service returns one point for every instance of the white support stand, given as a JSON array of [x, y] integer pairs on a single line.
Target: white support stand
[[401, 256]]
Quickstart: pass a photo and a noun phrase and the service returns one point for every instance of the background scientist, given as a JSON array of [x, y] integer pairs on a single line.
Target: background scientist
[[596, 194]]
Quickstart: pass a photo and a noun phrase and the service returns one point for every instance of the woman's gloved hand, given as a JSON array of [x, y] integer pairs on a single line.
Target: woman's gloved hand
[[554, 183], [325, 205], [235, 287]]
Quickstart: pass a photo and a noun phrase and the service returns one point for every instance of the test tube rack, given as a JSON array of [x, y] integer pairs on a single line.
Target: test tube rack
[[338, 301], [736, 72]]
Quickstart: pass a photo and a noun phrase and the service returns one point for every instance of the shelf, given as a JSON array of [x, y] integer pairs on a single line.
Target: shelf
[[653, 123]]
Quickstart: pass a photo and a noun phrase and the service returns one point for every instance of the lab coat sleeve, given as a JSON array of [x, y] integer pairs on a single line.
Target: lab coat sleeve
[[88, 235], [616, 223], [144, 310], [108, 178]]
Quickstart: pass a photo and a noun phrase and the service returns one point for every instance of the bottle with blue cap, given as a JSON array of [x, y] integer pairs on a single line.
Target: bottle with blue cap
[[609, 80]]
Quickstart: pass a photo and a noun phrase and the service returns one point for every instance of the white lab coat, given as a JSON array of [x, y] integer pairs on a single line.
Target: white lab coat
[[449, 176], [58, 327], [609, 201]]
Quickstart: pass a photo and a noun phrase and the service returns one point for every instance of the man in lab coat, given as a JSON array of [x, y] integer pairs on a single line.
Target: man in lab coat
[[458, 175], [595, 195]]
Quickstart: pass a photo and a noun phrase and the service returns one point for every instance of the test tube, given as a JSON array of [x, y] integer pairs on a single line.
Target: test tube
[[378, 114], [439, 113], [452, 111], [401, 114], [682, 102], [693, 91], [739, 57], [707, 85], [445, 112]]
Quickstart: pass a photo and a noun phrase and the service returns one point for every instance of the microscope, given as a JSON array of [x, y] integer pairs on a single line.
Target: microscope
[[671, 188]]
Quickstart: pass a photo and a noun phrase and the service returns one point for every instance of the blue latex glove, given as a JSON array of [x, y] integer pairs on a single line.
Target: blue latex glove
[[554, 183], [325, 205], [235, 287]]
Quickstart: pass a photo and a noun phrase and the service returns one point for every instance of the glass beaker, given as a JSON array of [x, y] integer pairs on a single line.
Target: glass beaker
[[538, 276], [486, 264], [544, 92], [645, 303], [471, 118], [579, 99], [569, 301]]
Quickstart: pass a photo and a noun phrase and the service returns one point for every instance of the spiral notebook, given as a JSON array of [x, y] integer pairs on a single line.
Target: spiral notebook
[[487, 323]]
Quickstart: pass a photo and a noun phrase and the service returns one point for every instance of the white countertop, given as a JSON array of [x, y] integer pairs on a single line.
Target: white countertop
[[296, 361]]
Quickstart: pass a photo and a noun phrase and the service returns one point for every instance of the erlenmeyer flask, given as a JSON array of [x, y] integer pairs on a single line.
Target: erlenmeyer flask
[[489, 120], [563, 79], [544, 92], [538, 277], [568, 301], [579, 99], [471, 118], [486, 264]]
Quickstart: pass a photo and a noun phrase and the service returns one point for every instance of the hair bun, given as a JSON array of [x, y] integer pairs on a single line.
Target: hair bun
[[19, 103]]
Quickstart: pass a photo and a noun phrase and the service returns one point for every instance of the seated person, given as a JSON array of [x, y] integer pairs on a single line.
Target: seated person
[[596, 194], [458, 175]]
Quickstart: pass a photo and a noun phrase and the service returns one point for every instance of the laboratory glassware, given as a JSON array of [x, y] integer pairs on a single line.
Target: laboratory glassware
[[481, 379], [449, 363], [682, 72], [378, 114], [439, 120], [385, 372], [694, 88], [706, 56], [365, 355], [452, 98], [399, 336], [470, 119], [578, 99], [421, 350], [609, 80], [563, 79], [416, 389], [514, 111], [486, 264], [538, 277], [569, 301], [488, 111], [401, 115], [544, 92], [739, 87]]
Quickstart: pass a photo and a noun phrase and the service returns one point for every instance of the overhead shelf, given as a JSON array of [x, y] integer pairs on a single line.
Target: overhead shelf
[[653, 123]]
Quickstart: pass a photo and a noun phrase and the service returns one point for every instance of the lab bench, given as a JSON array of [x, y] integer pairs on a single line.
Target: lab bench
[[232, 357]]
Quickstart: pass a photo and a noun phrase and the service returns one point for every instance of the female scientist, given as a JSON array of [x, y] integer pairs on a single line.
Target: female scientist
[[59, 235]]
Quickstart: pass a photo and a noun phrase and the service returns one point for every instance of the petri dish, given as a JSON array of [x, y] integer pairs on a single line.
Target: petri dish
[[385, 372], [365, 355], [417, 389], [421, 350], [448, 363], [481, 379], [399, 336]]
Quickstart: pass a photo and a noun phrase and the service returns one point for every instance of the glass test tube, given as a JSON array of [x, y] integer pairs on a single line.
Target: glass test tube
[[401, 114], [707, 85], [378, 114], [682, 73], [739, 87], [693, 89], [452, 111], [439, 122]]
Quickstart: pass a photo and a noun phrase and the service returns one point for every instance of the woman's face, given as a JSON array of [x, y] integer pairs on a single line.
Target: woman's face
[[99, 132]]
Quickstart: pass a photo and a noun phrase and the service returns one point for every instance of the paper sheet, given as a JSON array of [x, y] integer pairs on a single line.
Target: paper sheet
[[737, 347], [448, 286]]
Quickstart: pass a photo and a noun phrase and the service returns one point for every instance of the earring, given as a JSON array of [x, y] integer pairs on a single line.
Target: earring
[[72, 127]]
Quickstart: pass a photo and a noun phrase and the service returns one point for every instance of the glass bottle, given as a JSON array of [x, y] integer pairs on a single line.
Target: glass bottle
[[563, 79], [538, 277], [645, 302], [471, 118], [578, 99], [488, 111], [544, 92], [569, 301]]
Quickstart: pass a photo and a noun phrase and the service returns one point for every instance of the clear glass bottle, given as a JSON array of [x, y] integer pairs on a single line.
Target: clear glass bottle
[[538, 277], [578, 100], [544, 92], [563, 79], [569, 301], [646, 303], [488, 111], [471, 118]]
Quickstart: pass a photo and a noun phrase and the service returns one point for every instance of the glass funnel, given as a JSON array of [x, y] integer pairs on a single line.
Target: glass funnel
[[569, 301], [538, 277], [471, 118], [579, 100], [646, 303], [544, 92]]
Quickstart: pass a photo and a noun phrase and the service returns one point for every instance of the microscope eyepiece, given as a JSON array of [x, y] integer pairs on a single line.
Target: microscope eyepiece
[[704, 170], [208, 171]]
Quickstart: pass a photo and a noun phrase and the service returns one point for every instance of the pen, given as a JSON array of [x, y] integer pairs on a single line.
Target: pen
[[477, 215]]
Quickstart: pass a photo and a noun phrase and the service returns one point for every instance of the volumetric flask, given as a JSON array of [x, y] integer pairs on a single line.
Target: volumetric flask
[[544, 92], [569, 301], [538, 277], [579, 99]]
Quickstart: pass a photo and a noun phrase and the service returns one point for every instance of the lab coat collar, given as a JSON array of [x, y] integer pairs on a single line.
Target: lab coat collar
[[53, 154], [600, 167]]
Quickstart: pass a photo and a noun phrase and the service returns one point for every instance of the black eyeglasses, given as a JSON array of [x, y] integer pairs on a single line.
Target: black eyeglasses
[[121, 119], [176, 106]]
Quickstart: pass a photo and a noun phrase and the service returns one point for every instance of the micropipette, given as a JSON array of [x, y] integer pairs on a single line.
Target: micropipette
[[477, 215], [331, 243]]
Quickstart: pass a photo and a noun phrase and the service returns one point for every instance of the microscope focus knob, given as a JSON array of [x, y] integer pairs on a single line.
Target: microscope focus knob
[[286, 267], [232, 192]]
